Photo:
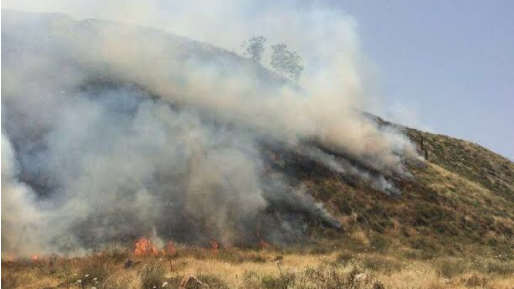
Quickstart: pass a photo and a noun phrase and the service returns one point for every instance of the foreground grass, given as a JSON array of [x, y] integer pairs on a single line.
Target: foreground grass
[[237, 268]]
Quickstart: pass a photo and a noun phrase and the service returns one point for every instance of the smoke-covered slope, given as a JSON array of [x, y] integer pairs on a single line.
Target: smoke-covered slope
[[111, 133], [458, 202]]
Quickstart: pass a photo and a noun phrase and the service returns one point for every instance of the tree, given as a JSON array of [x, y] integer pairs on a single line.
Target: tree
[[286, 62], [254, 48]]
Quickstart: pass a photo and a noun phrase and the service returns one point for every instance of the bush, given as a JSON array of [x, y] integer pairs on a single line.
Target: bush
[[326, 276], [152, 275], [252, 280], [495, 267], [475, 281], [381, 264], [379, 242], [94, 273], [114, 284], [281, 282], [344, 258], [237, 256], [332, 277], [116, 255], [213, 282], [449, 269], [10, 280]]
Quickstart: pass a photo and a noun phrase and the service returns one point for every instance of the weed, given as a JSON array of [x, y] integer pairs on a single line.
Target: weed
[[449, 268], [10, 280], [114, 284], [504, 268], [152, 275], [93, 273], [213, 282], [381, 264], [284, 281], [344, 258], [475, 281]]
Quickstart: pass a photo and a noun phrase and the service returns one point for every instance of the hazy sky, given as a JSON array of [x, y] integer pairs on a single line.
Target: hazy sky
[[445, 66]]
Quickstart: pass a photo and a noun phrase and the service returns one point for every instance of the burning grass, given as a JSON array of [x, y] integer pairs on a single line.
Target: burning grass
[[447, 231]]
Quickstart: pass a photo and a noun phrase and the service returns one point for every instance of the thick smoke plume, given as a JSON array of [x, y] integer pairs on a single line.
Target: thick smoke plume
[[112, 132]]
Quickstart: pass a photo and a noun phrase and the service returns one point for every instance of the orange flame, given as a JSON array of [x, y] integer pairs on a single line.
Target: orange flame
[[34, 258], [170, 248], [263, 244], [214, 246], [144, 247]]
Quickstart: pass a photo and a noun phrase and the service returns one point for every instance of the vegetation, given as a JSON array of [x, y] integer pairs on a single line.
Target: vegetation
[[152, 275], [341, 268], [254, 48], [453, 227], [445, 208], [283, 61], [286, 62]]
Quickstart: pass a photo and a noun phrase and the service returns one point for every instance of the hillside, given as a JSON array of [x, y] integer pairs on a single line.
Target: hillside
[[447, 230], [457, 202], [460, 198], [192, 155]]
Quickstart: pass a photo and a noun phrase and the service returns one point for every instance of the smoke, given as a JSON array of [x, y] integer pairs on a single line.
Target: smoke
[[20, 217], [113, 132]]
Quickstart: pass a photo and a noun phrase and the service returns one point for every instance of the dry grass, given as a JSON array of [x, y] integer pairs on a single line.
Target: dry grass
[[453, 227], [343, 269]]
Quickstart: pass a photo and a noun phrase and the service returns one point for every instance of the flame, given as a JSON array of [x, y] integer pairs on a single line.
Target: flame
[[34, 258], [144, 247], [214, 246], [170, 248], [10, 258], [263, 244]]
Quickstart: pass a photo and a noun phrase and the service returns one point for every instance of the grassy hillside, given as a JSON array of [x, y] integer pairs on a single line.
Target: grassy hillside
[[458, 202], [470, 161], [452, 227]]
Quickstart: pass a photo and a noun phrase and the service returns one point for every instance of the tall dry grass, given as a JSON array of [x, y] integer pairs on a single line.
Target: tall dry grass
[[261, 269]]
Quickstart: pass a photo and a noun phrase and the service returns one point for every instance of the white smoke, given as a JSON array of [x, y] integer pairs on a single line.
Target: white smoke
[[119, 131], [21, 219]]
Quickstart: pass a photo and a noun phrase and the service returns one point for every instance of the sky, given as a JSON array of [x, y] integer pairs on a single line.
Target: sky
[[446, 66], [443, 66]]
